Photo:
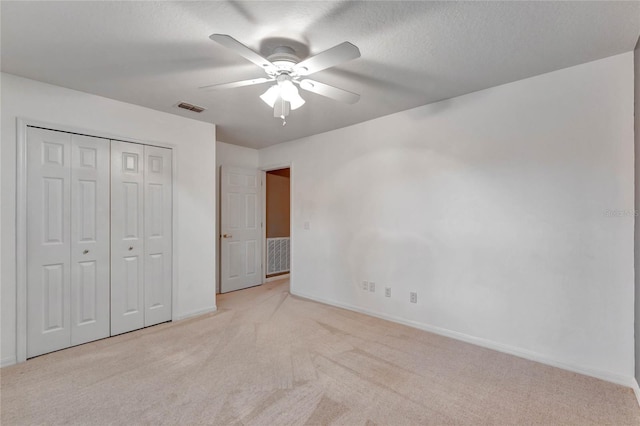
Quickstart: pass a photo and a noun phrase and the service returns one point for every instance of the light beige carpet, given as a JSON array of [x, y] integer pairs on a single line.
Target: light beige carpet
[[267, 358]]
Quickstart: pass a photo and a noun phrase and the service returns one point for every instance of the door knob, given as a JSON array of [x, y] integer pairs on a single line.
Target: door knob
[[227, 236], [85, 252], [130, 248]]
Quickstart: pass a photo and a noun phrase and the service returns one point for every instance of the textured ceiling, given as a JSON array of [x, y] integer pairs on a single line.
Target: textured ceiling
[[413, 53]]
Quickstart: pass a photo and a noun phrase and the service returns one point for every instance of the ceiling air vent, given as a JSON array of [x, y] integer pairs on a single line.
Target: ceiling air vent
[[190, 107]]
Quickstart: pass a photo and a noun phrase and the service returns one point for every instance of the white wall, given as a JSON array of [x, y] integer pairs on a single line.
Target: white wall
[[491, 206], [194, 186], [235, 156]]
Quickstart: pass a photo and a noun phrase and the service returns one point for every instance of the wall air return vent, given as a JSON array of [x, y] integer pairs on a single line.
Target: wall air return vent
[[190, 107]]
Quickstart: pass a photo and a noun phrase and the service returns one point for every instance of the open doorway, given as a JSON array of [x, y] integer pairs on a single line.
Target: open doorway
[[277, 224]]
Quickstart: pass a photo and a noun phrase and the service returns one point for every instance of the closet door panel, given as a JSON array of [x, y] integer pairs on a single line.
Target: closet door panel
[[127, 239], [90, 265], [158, 235], [48, 242]]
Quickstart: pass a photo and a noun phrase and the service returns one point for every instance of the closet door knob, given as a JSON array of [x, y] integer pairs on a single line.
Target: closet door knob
[[85, 252], [130, 248]]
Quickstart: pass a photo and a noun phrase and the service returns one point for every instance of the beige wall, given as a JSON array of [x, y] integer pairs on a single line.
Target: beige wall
[[278, 204]]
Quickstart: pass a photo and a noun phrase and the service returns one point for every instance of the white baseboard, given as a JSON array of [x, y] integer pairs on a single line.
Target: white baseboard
[[5, 362], [195, 313], [627, 381], [636, 390], [276, 278]]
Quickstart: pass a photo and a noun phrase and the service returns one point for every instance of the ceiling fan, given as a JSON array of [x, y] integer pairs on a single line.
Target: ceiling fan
[[287, 70]]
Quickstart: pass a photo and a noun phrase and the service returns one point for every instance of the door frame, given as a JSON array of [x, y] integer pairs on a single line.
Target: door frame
[[263, 171], [21, 216]]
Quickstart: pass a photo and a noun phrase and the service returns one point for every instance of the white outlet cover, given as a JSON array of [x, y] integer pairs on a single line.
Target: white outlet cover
[[365, 285], [372, 287], [387, 292]]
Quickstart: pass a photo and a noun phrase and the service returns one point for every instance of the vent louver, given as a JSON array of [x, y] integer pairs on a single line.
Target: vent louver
[[187, 106]]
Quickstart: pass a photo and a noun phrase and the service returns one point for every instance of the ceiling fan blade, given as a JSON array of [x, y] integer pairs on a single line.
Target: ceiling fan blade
[[329, 91], [336, 55], [237, 84], [242, 50]]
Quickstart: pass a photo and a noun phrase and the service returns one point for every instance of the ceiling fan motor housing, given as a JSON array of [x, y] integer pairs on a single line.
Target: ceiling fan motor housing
[[284, 57]]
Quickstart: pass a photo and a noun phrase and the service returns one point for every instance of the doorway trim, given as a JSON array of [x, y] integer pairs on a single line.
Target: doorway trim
[[21, 217], [263, 172]]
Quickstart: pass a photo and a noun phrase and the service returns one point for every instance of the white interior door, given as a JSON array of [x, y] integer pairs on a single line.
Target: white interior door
[[127, 241], [48, 241], [158, 235], [241, 229], [90, 268]]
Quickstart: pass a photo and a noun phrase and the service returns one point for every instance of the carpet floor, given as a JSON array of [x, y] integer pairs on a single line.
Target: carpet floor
[[268, 358]]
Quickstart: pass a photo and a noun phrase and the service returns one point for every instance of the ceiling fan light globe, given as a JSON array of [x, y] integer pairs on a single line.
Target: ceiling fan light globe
[[296, 101], [271, 95], [287, 90]]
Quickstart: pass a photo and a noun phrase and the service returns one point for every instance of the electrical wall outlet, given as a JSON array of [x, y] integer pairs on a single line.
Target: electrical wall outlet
[[372, 287], [413, 297], [387, 292], [365, 285]]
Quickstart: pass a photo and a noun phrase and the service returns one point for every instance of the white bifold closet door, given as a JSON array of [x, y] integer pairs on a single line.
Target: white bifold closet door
[[158, 236], [140, 236], [127, 241], [67, 240]]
